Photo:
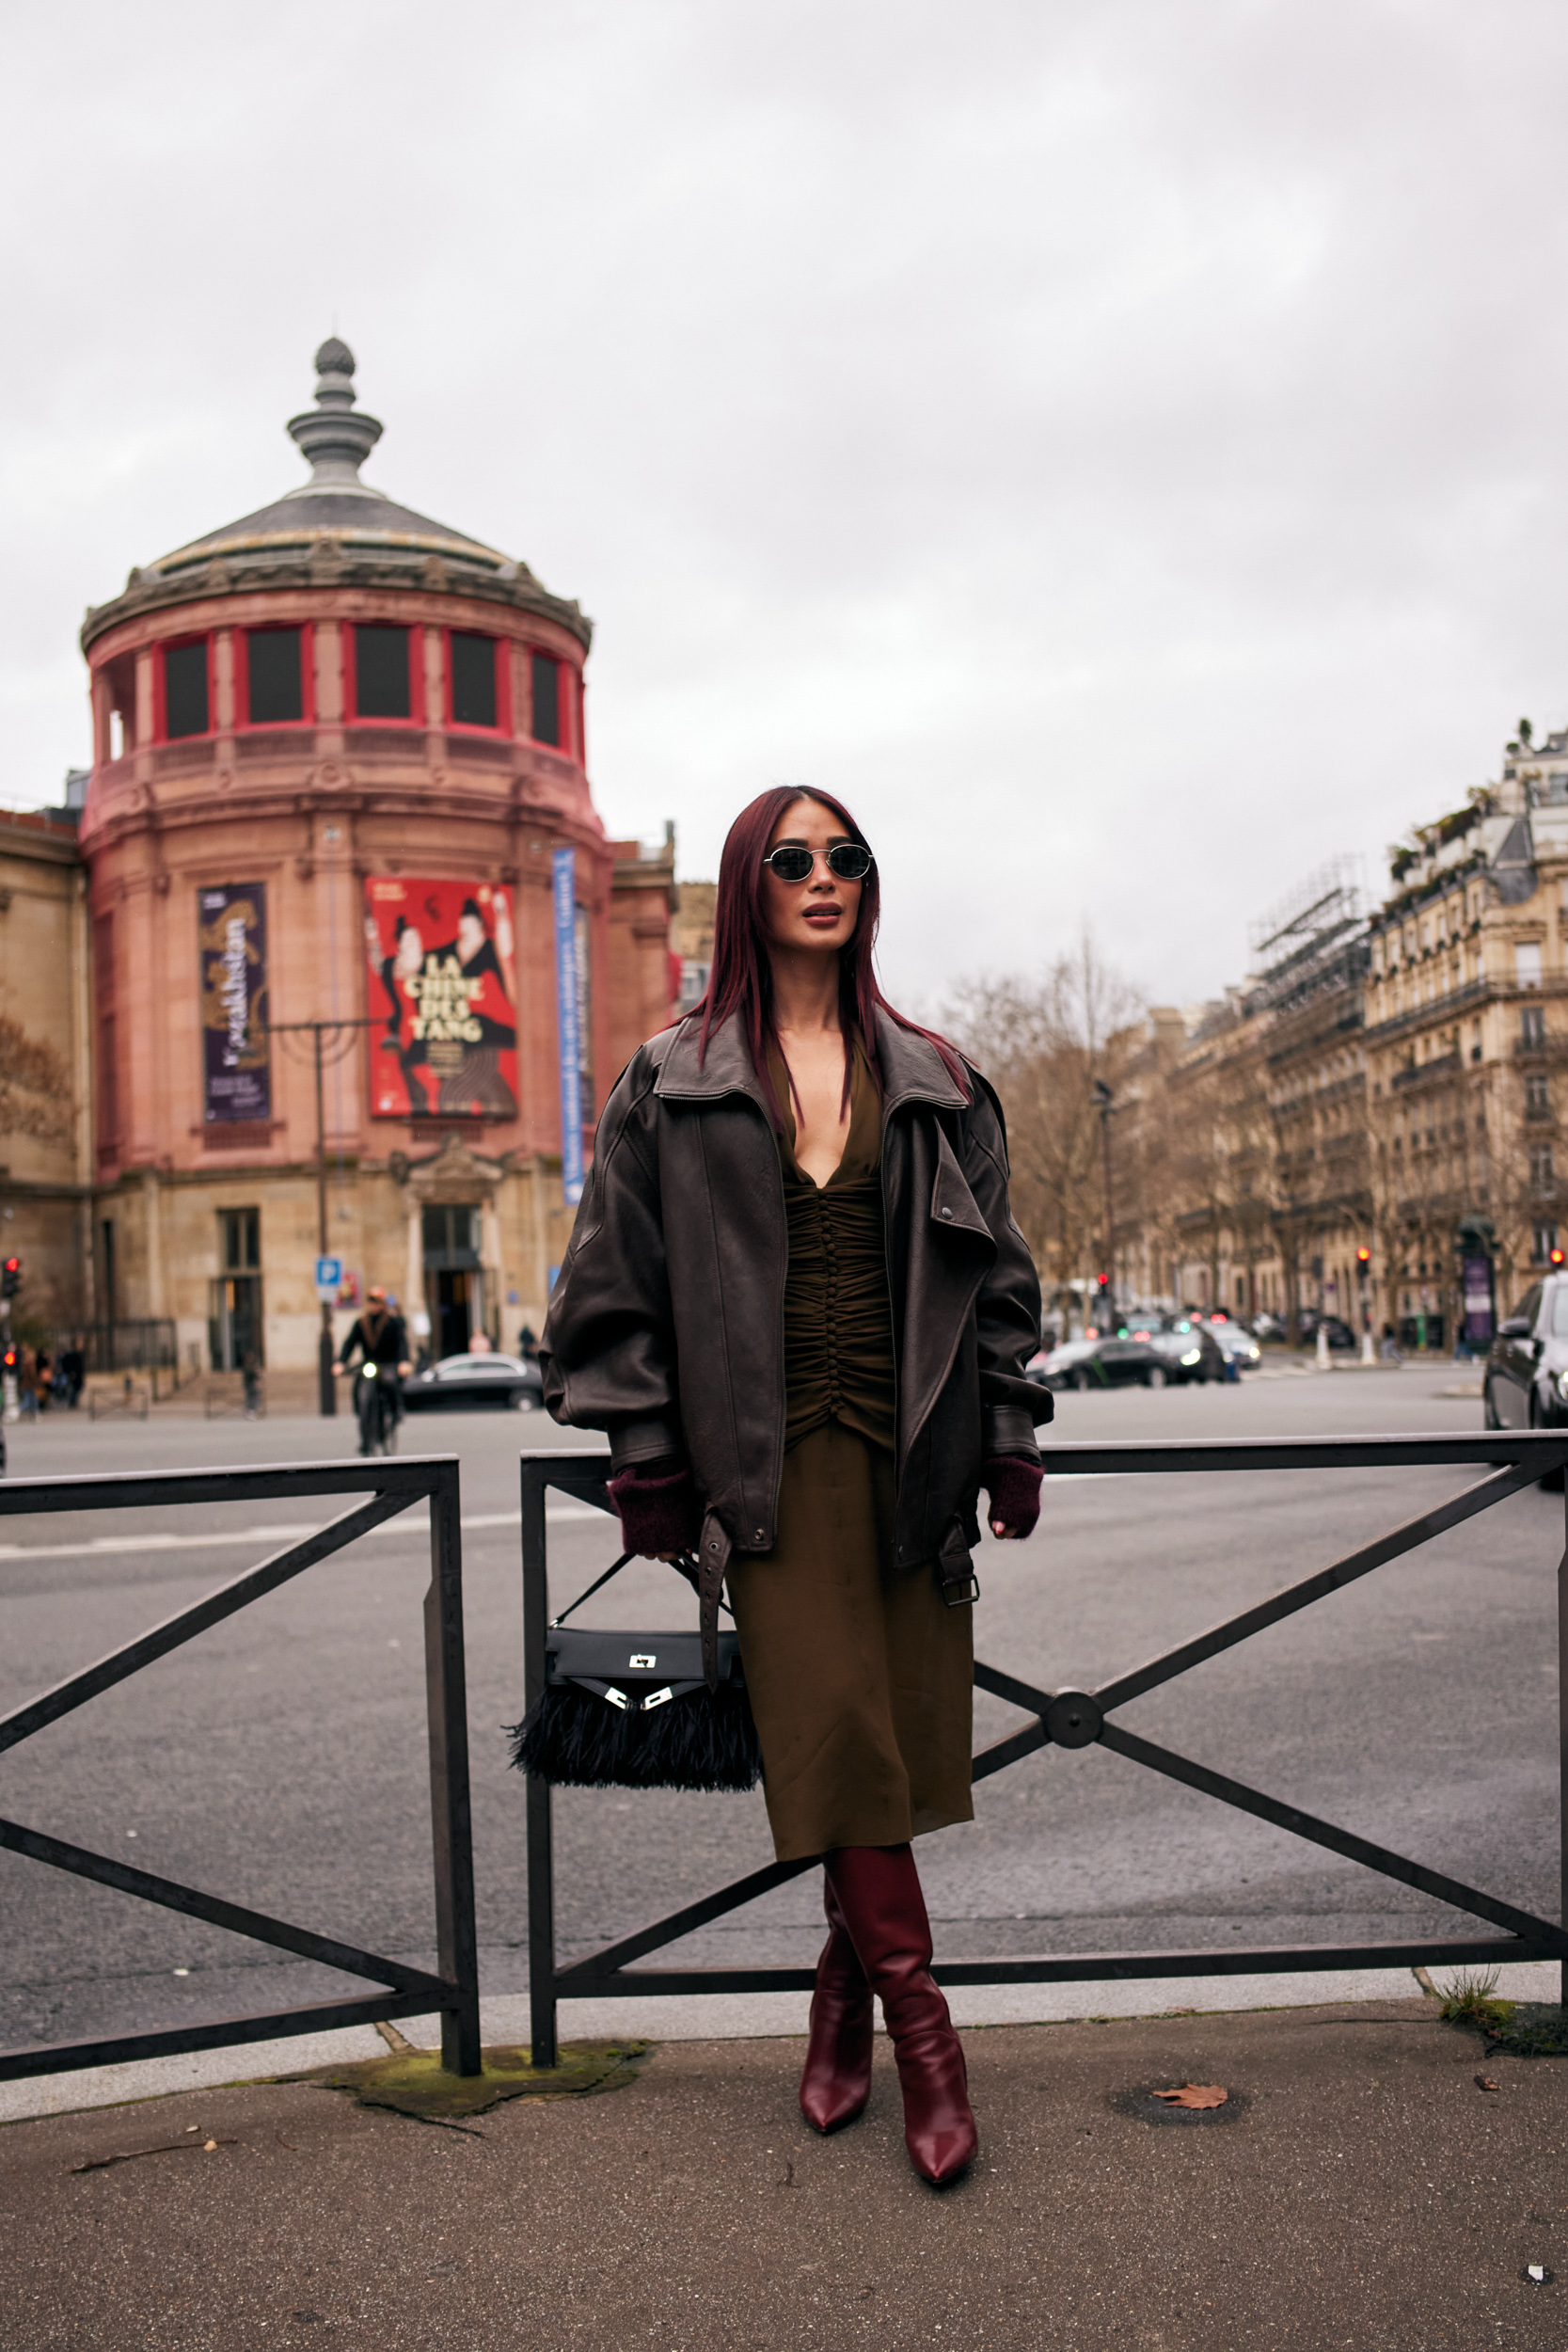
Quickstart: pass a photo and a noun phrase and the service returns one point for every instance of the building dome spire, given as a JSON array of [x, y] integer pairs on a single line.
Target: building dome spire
[[336, 440]]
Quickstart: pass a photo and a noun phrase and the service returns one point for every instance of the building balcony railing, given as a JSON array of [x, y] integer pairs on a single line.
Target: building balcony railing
[[1435, 1073]]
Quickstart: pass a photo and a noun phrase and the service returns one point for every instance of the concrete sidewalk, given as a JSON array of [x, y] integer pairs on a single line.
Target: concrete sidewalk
[[1359, 2189]]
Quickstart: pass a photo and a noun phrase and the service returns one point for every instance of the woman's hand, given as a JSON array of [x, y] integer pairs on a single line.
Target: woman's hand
[[658, 1506], [1015, 1497]]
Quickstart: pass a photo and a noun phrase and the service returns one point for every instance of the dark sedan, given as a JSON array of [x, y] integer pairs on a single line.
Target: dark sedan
[[463, 1382], [1194, 1354], [1099, 1364]]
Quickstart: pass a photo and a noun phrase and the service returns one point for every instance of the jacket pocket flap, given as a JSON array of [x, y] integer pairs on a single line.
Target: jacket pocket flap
[[952, 1205]]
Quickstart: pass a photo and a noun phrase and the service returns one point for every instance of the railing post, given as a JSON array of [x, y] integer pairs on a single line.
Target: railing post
[[541, 1873], [451, 1817]]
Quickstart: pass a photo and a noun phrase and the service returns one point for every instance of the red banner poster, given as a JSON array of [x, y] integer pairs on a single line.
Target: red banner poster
[[443, 982]]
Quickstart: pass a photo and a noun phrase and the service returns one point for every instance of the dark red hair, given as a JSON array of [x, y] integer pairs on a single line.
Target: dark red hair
[[741, 982]]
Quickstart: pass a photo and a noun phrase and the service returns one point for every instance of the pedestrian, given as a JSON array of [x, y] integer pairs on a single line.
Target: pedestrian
[[250, 1383], [796, 1301], [381, 1343]]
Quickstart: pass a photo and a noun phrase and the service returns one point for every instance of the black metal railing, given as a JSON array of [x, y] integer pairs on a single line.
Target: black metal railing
[[393, 1485], [1076, 1719]]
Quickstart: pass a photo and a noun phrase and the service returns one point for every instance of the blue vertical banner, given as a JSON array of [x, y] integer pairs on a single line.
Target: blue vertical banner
[[564, 880]]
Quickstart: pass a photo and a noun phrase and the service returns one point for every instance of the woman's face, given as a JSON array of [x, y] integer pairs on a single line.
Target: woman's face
[[820, 912]]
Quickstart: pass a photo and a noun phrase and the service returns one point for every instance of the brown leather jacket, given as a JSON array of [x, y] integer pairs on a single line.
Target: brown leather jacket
[[666, 1329]]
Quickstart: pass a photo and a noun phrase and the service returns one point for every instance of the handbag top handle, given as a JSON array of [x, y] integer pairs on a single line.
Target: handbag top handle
[[683, 1564]]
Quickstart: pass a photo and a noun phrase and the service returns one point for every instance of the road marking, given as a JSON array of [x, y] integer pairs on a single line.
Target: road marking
[[104, 1547]]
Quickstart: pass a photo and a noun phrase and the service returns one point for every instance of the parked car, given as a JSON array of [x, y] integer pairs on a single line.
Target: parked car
[[1237, 1344], [465, 1381], [1341, 1335], [1101, 1364], [1525, 1382], [1191, 1353]]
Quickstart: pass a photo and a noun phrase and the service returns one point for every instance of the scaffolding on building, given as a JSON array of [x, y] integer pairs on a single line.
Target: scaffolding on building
[[1314, 941]]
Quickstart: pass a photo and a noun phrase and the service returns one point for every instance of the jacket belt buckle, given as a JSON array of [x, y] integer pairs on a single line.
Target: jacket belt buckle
[[962, 1591]]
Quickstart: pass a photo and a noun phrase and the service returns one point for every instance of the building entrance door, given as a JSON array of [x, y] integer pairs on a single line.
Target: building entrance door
[[453, 1321], [452, 1281], [236, 1335]]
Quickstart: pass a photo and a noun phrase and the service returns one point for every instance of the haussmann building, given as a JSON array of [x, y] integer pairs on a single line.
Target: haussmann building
[[337, 945]]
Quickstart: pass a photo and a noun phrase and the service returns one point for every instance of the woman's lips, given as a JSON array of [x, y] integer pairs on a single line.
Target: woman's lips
[[824, 916]]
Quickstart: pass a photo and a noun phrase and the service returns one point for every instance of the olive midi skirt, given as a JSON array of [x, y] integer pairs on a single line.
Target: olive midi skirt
[[861, 1678]]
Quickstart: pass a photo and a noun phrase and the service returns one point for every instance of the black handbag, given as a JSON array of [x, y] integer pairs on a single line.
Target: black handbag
[[634, 1710]]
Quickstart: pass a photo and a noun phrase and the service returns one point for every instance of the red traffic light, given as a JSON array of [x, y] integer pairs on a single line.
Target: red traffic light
[[1554, 1257], [1363, 1256]]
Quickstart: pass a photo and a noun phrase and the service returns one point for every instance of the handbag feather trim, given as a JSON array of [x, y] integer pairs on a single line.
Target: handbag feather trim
[[574, 1739]]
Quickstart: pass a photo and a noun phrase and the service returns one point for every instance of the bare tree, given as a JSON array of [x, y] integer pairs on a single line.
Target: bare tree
[[1043, 1043]]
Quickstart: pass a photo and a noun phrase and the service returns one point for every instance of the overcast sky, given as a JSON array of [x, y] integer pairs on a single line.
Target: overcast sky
[[1123, 448]]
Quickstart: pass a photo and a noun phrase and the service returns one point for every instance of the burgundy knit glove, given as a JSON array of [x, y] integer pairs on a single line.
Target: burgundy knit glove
[[1015, 1493], [658, 1503]]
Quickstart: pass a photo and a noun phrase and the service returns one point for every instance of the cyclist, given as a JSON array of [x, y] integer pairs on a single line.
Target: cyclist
[[383, 1346]]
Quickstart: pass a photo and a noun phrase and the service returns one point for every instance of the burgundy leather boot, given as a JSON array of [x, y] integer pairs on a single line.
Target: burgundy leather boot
[[879, 1894], [837, 2082]]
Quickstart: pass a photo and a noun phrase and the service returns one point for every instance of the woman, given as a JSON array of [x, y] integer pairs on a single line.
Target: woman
[[796, 1301]]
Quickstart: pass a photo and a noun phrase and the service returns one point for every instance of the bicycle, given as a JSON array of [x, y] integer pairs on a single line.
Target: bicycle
[[375, 1401]]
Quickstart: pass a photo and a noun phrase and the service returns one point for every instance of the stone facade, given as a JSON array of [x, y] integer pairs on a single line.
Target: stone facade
[[331, 694], [1393, 1082], [46, 1182]]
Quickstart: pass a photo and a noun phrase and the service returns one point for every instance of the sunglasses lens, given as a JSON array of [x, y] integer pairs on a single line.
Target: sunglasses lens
[[849, 861], [791, 865]]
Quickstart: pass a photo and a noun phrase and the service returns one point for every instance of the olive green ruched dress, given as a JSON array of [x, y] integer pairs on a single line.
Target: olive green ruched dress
[[861, 1678]]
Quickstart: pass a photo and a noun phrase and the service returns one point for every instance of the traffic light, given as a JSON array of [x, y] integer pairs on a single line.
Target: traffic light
[[8, 1360], [10, 1278], [1363, 1258], [1554, 1257]]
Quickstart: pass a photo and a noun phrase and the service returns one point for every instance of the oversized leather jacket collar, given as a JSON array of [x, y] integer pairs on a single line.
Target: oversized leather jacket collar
[[666, 1329]]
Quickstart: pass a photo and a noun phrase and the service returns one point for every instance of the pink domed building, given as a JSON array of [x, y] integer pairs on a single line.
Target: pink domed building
[[362, 960]]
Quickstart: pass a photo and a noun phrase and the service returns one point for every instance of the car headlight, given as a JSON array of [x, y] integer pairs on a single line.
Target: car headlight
[[1194, 1357]]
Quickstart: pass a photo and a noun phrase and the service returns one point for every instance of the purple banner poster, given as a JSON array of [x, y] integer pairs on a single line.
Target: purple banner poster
[[235, 1062]]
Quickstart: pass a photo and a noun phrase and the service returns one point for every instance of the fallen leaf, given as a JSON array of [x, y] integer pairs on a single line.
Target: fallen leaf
[[170, 2148], [1195, 2095], [1484, 2082]]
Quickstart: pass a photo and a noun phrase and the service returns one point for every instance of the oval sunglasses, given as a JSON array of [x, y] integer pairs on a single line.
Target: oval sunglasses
[[850, 861]]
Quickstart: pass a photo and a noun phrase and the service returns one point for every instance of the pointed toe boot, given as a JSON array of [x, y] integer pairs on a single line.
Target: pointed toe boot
[[877, 1891], [836, 2080]]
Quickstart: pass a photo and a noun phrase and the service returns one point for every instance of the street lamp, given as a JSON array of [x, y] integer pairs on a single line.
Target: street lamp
[[1105, 1104]]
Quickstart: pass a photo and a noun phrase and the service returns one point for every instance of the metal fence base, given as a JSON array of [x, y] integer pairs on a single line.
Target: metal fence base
[[1078, 1719], [454, 1990]]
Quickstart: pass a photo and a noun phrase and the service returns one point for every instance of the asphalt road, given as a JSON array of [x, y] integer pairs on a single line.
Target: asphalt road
[[279, 1760]]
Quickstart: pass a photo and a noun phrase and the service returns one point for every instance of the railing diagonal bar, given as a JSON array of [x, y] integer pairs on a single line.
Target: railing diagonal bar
[[219, 1914], [1437, 1521], [1341, 1841], [187, 1622], [1011, 1749], [694, 1916], [1009, 1687]]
